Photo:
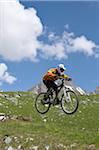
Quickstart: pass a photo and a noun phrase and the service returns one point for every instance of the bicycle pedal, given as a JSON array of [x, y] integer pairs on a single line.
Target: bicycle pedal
[[45, 101]]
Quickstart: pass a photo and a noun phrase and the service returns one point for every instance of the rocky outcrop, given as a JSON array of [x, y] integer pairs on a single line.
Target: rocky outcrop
[[41, 88], [38, 88], [97, 90]]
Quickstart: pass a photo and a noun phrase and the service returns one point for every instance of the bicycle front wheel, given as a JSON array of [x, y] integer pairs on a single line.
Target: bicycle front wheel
[[69, 102], [40, 104]]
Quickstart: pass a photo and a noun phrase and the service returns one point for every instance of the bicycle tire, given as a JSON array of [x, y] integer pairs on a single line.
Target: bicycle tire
[[38, 102], [66, 110]]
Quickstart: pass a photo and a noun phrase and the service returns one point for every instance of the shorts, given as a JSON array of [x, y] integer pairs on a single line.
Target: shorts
[[50, 84]]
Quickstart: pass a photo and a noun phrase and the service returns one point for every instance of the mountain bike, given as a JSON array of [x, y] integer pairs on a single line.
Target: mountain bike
[[67, 98]]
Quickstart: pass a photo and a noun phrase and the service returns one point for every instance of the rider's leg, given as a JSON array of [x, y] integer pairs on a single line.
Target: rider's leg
[[56, 92], [48, 84]]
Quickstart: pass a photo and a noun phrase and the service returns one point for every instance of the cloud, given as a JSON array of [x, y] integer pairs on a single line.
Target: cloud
[[56, 50], [82, 44], [61, 46], [5, 76], [66, 26], [20, 29]]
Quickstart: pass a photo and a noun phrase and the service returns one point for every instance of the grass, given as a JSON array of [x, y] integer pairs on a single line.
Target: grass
[[55, 129]]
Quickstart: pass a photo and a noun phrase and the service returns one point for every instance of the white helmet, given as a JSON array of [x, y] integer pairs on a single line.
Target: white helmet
[[61, 66]]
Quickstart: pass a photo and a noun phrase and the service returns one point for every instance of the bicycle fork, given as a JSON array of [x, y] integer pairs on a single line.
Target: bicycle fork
[[67, 95]]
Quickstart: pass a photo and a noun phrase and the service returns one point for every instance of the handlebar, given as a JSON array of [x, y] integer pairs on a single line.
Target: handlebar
[[61, 81], [68, 79]]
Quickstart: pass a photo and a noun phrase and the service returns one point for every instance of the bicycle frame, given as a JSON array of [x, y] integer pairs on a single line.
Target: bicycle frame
[[68, 102], [65, 89]]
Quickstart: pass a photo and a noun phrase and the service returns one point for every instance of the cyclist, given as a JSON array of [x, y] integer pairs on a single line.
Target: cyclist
[[52, 75]]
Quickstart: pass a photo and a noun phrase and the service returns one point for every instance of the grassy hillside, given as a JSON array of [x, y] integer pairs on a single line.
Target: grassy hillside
[[28, 130]]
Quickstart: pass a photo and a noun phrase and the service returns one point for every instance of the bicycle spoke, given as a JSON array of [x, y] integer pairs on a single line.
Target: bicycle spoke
[[41, 103], [69, 102]]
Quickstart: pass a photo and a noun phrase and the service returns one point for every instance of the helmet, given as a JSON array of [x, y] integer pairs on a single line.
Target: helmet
[[61, 67]]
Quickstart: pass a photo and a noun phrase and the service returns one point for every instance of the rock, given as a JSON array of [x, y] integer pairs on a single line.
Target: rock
[[24, 118], [42, 88], [61, 146], [47, 147], [13, 100], [73, 145], [38, 88], [1, 95], [3, 117], [31, 139], [6, 96], [91, 147], [35, 148], [97, 90], [16, 139], [7, 139], [11, 148], [20, 147], [17, 96]]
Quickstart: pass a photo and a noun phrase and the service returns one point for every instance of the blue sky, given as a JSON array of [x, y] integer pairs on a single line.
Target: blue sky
[[54, 24]]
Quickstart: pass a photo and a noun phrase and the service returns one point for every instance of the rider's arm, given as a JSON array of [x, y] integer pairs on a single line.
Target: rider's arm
[[64, 76]]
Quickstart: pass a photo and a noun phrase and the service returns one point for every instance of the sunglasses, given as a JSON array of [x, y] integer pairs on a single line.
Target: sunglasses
[[61, 69]]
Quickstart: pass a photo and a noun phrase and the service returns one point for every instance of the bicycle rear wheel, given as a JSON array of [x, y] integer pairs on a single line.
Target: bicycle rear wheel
[[41, 105], [69, 102]]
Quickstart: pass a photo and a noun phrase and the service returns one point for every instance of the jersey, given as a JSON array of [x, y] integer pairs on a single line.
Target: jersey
[[53, 75]]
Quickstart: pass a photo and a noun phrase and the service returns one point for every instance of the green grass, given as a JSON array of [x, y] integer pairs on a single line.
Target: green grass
[[60, 131]]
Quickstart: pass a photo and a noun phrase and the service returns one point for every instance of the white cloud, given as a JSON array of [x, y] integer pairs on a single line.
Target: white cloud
[[53, 37], [5, 76], [82, 44], [66, 44], [66, 26], [56, 50], [20, 29]]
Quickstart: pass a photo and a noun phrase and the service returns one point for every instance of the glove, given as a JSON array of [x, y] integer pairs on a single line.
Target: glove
[[69, 79]]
